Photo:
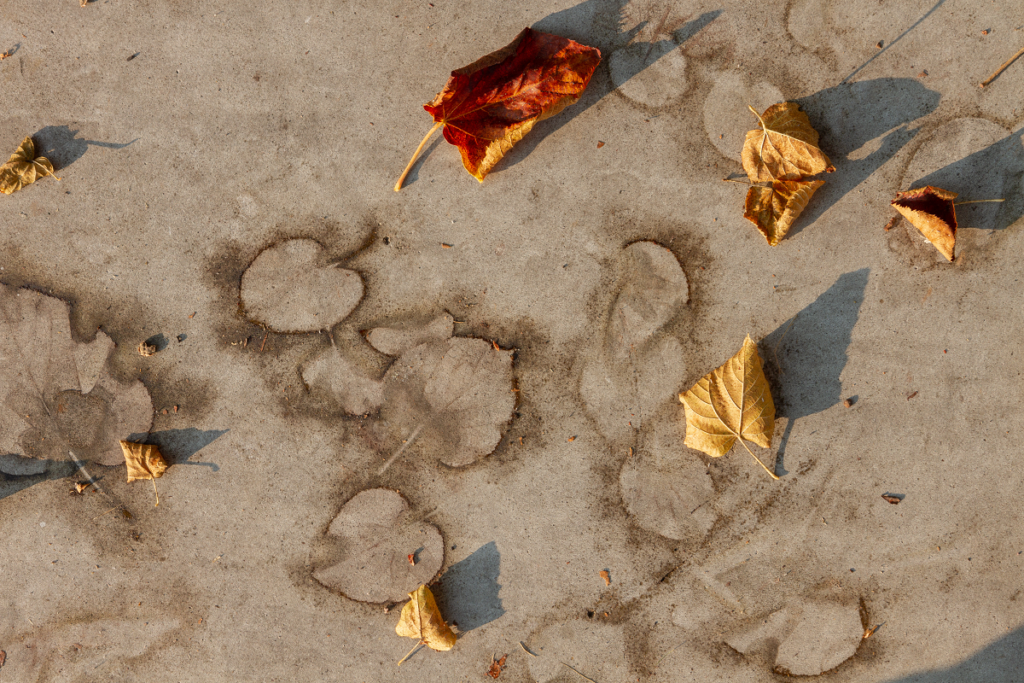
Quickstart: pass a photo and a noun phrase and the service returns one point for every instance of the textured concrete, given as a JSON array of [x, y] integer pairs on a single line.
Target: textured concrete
[[190, 137]]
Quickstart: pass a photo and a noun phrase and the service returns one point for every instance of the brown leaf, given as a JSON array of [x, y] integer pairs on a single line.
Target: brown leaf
[[774, 209], [930, 210], [732, 402], [785, 147], [421, 619], [144, 461], [23, 168], [497, 665], [489, 105], [892, 500]]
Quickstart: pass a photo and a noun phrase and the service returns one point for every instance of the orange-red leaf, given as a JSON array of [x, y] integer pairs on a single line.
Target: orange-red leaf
[[488, 106], [930, 210]]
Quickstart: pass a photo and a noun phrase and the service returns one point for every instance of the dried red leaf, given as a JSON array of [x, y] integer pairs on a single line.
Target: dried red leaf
[[497, 665], [489, 105]]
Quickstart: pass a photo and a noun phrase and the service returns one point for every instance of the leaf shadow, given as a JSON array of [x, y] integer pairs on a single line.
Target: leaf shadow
[[998, 662], [804, 358], [587, 23], [468, 592], [991, 173], [60, 145], [850, 118], [179, 445]]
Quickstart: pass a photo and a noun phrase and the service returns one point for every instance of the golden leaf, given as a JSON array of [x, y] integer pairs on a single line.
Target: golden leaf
[[422, 619], [774, 209], [23, 168], [144, 462], [731, 402], [930, 210], [785, 147]]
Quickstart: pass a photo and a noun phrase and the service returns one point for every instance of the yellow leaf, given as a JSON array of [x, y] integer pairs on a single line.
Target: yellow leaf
[[23, 168], [930, 210], [785, 147], [422, 619], [732, 402], [144, 462], [774, 209]]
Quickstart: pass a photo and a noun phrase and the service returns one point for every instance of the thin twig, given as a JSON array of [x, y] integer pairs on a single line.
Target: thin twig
[[526, 649], [657, 32], [264, 341], [408, 442], [978, 201], [998, 71], [578, 672]]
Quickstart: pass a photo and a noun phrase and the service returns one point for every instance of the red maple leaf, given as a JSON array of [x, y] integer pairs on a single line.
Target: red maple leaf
[[488, 106]]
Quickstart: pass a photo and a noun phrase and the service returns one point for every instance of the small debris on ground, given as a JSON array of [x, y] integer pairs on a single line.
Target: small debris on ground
[[606, 576], [892, 223], [600, 144], [891, 499], [879, 44], [146, 350], [496, 666], [912, 395], [848, 402]]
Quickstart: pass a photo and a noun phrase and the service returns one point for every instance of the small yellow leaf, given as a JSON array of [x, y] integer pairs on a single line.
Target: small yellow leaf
[[422, 619], [930, 210], [23, 168], [144, 462], [731, 402], [785, 147], [774, 209]]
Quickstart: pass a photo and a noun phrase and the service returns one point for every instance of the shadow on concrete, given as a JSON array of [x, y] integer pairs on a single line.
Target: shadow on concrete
[[894, 41], [62, 148], [805, 357], [178, 445], [1000, 662], [50, 469], [995, 172], [852, 115], [468, 591]]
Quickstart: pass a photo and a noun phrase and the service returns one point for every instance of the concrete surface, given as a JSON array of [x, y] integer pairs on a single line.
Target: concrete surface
[[239, 126]]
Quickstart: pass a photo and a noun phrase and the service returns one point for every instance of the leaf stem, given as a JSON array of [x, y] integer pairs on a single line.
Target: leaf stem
[[46, 171], [410, 653], [415, 156], [157, 493], [770, 473], [978, 201], [408, 442]]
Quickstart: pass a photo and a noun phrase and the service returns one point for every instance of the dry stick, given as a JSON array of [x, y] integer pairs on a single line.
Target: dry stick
[[415, 433], [657, 32], [1008, 62], [410, 653], [415, 156], [578, 672], [526, 649]]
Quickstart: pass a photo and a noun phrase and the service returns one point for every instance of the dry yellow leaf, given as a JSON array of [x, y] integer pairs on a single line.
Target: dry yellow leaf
[[731, 402], [421, 619], [930, 210], [785, 147], [774, 209], [23, 168], [144, 462]]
